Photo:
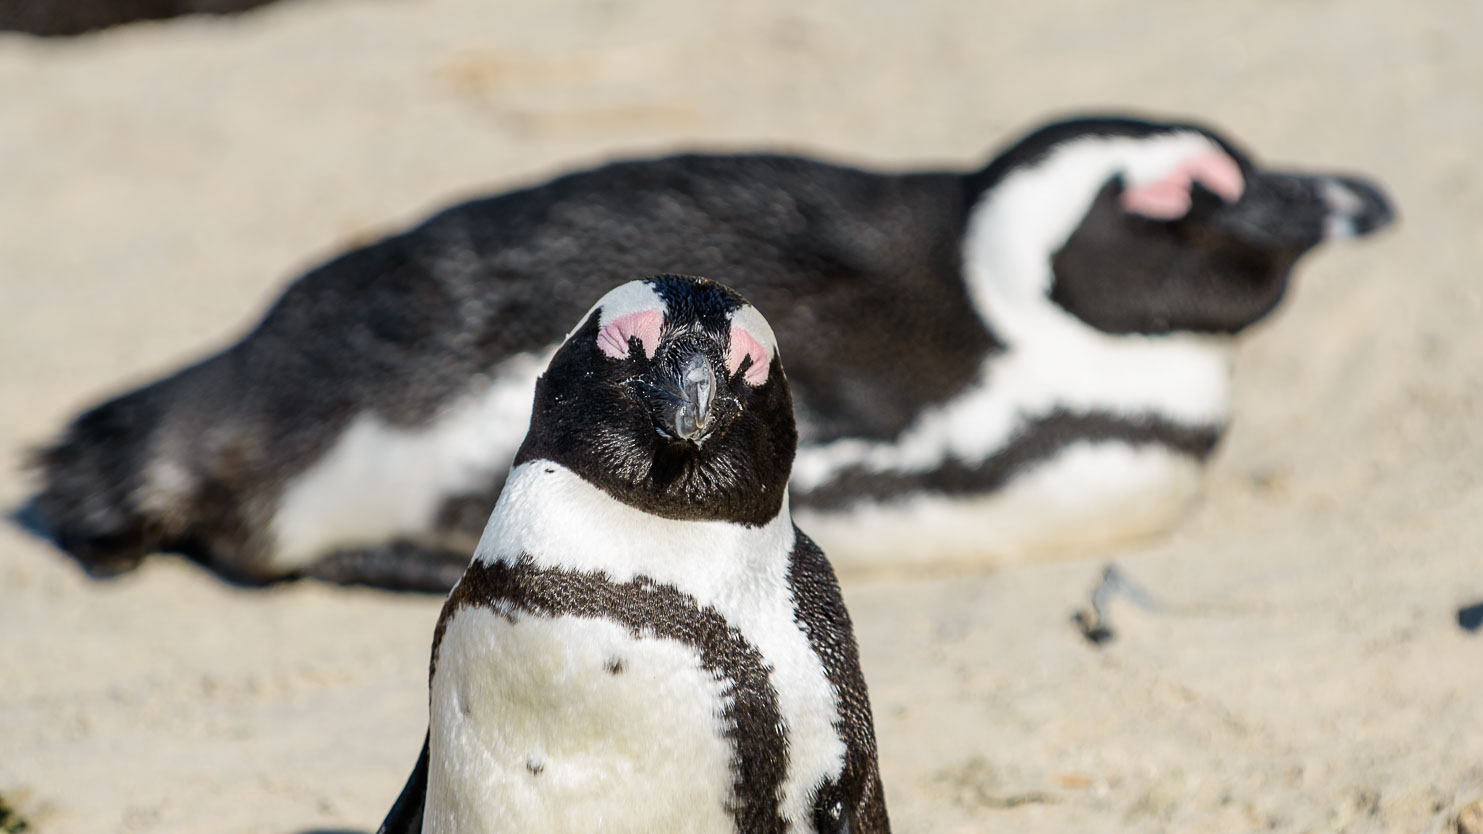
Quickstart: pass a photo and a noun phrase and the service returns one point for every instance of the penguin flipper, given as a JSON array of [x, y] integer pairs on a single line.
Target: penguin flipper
[[397, 566], [405, 816]]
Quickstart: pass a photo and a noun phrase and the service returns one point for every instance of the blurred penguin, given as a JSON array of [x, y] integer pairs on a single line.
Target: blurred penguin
[[987, 366]]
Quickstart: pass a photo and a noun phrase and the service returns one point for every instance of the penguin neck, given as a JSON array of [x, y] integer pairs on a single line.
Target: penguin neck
[[550, 517]]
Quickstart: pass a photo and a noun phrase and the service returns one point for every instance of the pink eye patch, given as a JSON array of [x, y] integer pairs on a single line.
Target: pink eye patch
[[646, 325], [743, 345], [1168, 198]]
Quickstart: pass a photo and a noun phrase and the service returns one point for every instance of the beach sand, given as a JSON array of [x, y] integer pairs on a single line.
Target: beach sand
[[162, 182]]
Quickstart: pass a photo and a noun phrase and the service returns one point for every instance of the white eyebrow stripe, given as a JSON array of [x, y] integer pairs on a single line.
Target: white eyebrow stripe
[[623, 300], [747, 318]]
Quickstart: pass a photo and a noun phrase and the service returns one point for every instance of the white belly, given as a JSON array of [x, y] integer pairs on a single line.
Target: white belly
[[532, 730], [380, 482], [1088, 496]]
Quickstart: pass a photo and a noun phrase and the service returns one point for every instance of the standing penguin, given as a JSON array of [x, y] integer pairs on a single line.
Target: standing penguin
[[987, 365], [644, 641]]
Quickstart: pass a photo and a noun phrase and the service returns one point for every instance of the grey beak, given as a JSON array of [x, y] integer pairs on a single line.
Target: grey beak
[[680, 394], [692, 413], [1296, 211], [1356, 207]]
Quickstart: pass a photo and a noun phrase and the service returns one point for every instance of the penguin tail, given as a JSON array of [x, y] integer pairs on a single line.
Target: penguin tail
[[109, 496]]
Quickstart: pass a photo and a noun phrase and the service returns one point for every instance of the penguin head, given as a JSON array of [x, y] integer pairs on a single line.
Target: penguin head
[[1143, 227], [669, 396]]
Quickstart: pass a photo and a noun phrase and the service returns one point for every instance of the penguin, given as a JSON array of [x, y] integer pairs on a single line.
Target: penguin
[[1022, 360], [46, 18], [643, 640]]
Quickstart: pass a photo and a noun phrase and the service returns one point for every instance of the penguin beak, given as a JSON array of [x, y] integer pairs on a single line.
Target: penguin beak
[[1292, 211], [697, 388], [681, 397]]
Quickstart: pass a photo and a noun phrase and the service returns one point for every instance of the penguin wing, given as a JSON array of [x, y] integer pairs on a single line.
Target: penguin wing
[[405, 816], [855, 803]]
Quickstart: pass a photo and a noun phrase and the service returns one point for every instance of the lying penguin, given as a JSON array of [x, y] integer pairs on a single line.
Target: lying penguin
[[644, 641], [50, 18], [987, 366]]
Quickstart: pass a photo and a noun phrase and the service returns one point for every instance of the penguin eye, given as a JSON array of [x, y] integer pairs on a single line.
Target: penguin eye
[[645, 325], [746, 346]]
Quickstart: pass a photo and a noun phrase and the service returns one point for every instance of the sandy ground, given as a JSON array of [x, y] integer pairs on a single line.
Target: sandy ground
[[161, 182]]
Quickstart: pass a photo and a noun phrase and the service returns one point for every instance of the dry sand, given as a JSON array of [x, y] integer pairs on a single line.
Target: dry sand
[[161, 182]]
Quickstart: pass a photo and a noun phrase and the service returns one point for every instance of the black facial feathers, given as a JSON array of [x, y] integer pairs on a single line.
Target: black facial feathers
[[1218, 266], [602, 416]]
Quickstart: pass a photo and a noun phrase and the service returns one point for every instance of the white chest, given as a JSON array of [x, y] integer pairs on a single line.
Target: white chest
[[1087, 496], [557, 522], [565, 723], [1080, 494], [379, 481]]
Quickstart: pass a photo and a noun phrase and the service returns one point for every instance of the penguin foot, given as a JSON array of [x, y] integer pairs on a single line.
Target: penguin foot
[[1093, 621]]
